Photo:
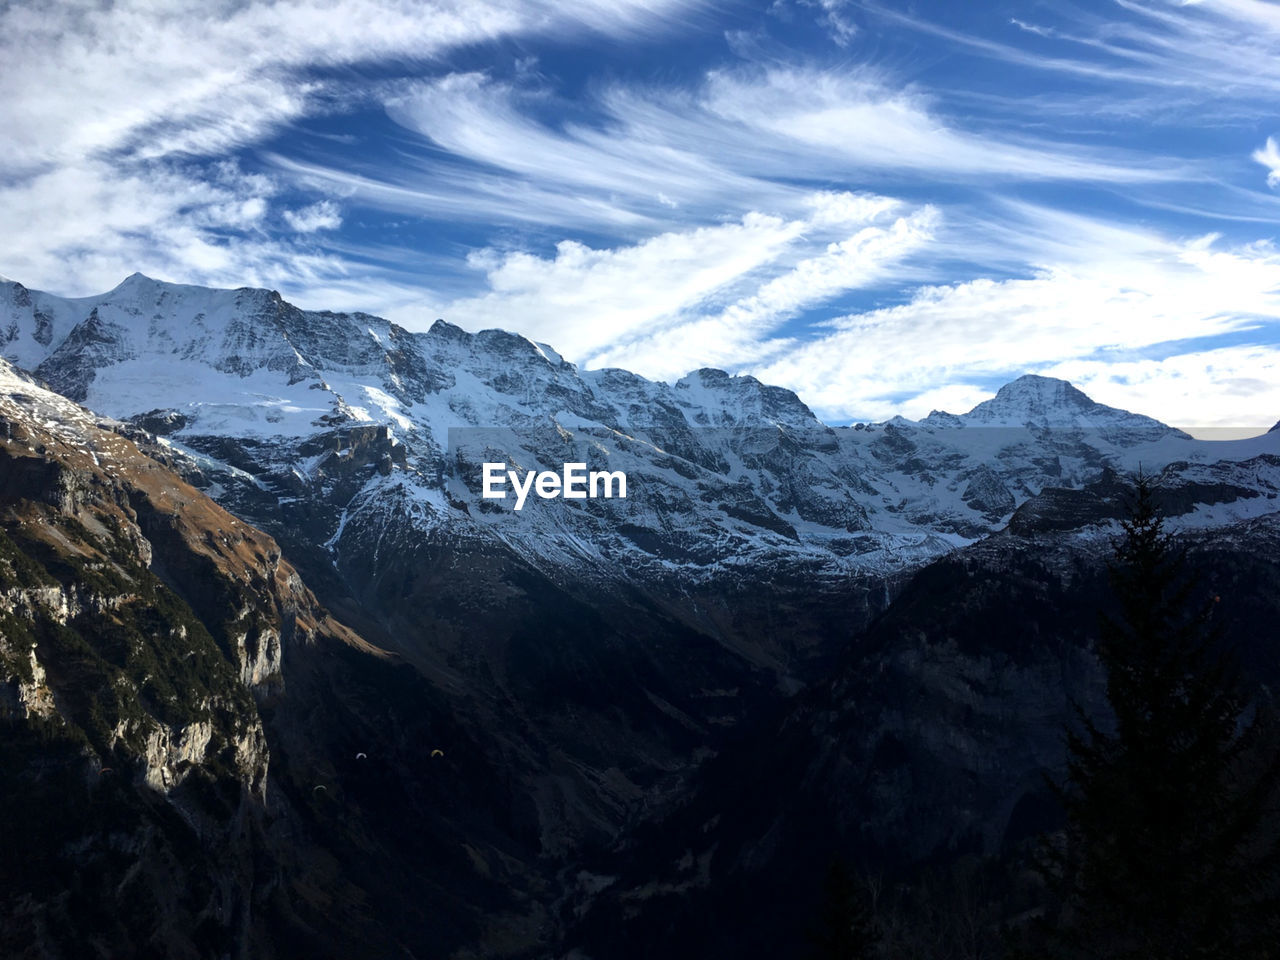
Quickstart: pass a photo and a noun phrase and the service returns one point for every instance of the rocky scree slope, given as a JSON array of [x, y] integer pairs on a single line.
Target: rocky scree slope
[[199, 761]]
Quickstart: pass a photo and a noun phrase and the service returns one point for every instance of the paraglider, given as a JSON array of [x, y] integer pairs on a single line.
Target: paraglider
[[437, 753], [318, 787], [362, 756]]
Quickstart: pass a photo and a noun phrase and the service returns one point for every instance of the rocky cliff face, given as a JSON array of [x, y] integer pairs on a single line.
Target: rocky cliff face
[[199, 761]]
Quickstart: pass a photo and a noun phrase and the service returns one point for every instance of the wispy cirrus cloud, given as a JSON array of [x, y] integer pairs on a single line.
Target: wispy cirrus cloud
[[722, 290], [743, 334], [118, 119], [852, 117], [630, 159], [638, 160], [199, 77], [741, 129], [1223, 49], [1141, 303]]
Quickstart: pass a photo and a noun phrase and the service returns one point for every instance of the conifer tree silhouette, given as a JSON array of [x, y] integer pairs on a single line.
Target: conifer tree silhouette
[[1170, 850]]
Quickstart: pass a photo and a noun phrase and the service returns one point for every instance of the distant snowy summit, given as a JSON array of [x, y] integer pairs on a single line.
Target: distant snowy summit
[[1056, 403], [361, 425]]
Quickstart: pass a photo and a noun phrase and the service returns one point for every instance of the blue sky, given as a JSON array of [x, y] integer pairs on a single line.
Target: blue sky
[[889, 207]]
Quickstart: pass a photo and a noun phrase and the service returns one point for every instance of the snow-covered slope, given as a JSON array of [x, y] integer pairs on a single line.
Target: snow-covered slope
[[369, 425]]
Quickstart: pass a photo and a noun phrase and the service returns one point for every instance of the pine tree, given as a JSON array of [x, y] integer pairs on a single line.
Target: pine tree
[[1167, 853]]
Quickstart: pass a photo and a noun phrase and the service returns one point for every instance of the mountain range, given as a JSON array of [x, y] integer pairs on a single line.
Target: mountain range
[[271, 403], [593, 655]]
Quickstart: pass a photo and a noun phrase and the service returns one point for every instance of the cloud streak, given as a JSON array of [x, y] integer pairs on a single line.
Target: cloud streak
[[723, 289], [200, 77], [119, 117], [737, 134], [1149, 294], [1223, 49]]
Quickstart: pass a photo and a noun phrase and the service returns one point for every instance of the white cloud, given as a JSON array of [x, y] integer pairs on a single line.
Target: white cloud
[[732, 143], [116, 117], [1100, 308], [1224, 50], [953, 398], [853, 116], [582, 299], [655, 160], [87, 226], [835, 17], [741, 333], [318, 216], [456, 196], [201, 76], [1269, 156], [1207, 391], [707, 295], [630, 160]]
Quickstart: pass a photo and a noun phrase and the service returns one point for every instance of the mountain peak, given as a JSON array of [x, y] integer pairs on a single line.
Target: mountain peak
[[1032, 385], [442, 331], [1033, 397], [706, 375], [139, 283], [1050, 402], [135, 279]]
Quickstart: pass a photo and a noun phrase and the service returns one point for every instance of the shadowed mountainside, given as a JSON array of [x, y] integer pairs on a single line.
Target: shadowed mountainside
[[199, 761]]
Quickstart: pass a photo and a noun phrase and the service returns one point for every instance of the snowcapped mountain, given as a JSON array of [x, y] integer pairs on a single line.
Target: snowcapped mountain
[[606, 648], [359, 446], [367, 424]]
